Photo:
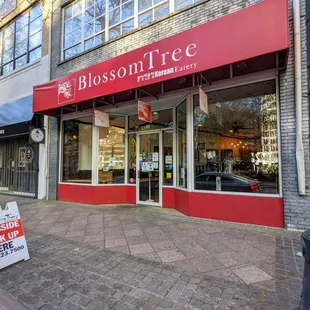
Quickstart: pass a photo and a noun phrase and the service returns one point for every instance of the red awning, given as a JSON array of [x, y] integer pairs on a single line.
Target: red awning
[[256, 30]]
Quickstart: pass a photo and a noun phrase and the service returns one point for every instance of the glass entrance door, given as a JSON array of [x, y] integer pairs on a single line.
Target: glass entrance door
[[149, 165]]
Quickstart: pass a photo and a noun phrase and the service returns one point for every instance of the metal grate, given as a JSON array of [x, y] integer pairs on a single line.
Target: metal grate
[[19, 167]]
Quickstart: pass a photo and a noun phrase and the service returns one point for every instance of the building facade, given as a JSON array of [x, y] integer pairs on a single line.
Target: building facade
[[179, 104], [24, 62]]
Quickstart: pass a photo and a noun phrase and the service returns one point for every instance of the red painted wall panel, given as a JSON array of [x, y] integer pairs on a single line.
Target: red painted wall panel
[[267, 211], [168, 197], [181, 201], [97, 194]]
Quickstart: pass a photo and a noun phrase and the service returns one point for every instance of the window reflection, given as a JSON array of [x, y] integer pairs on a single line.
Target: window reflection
[[236, 144]]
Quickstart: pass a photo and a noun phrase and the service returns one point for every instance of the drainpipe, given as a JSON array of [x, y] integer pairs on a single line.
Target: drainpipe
[[300, 154]]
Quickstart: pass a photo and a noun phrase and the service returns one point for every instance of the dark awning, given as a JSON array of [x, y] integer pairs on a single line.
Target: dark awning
[[16, 111]]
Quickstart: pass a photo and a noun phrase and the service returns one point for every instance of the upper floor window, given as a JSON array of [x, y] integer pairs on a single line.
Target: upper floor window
[[21, 41], [88, 23]]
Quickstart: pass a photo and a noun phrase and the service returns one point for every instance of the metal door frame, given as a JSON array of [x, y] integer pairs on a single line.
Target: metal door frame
[[138, 201]]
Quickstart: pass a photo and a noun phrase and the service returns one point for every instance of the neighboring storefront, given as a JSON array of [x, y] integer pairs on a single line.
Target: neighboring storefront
[[24, 62], [216, 165], [19, 158]]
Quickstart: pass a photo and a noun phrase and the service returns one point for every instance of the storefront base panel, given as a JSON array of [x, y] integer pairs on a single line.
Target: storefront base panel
[[267, 211], [96, 195]]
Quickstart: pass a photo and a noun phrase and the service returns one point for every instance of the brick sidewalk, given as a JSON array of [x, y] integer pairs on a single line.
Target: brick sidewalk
[[257, 258], [64, 274]]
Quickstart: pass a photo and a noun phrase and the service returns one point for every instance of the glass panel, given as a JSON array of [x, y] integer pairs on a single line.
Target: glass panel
[[132, 155], [21, 48], [35, 54], [77, 7], [90, 43], [36, 12], [161, 11], [89, 30], [1, 41], [111, 158], [68, 12], [167, 157], [7, 55], [236, 144], [179, 4], [146, 18], [35, 40], [149, 168], [35, 26], [127, 10], [128, 26], [77, 150], [72, 38], [144, 4], [89, 14], [161, 119], [22, 34], [89, 3], [68, 26], [8, 68], [20, 61], [100, 8], [100, 24], [114, 17], [115, 32], [113, 4], [77, 22], [70, 52], [181, 146], [21, 22], [99, 39]]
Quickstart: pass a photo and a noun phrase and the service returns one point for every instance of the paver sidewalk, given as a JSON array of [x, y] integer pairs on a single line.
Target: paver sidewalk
[[255, 257]]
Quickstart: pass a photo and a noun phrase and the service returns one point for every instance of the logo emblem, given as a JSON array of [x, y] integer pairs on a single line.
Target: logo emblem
[[66, 91]]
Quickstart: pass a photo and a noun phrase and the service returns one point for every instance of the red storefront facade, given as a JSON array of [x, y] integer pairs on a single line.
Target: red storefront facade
[[232, 58]]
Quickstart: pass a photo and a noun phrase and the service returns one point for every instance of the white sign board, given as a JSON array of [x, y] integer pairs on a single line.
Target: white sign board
[[13, 246], [203, 101], [101, 118], [147, 166]]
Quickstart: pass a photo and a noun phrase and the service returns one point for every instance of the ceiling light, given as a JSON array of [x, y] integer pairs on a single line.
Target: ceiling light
[[231, 130]]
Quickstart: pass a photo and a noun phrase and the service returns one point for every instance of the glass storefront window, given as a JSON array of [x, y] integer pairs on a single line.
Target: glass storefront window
[[132, 155], [181, 145], [161, 120], [236, 147], [77, 150], [111, 159], [168, 157]]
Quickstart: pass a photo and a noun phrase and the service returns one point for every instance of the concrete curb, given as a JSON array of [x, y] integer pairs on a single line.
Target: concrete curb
[[8, 303]]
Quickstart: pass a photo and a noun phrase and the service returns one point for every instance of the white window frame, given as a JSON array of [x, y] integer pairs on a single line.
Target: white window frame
[[107, 29]]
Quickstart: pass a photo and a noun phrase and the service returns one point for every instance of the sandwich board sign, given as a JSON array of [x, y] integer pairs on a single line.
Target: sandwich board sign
[[13, 246]]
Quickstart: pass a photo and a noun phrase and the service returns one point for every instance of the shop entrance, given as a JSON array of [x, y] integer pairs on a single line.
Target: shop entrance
[[149, 168]]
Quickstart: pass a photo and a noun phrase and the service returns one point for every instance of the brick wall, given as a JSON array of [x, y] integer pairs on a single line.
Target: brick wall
[[296, 208]]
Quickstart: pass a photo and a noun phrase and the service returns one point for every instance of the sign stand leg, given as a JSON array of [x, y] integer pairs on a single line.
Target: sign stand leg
[[150, 187]]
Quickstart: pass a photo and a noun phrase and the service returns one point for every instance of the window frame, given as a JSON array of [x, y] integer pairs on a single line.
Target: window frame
[[15, 42], [108, 28], [242, 81]]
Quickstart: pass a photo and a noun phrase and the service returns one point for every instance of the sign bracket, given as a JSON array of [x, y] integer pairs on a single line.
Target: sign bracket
[[147, 93]]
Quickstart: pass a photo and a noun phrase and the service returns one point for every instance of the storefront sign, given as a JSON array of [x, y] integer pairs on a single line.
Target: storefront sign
[[203, 101], [101, 118], [144, 112], [229, 39], [6, 7], [133, 150], [29, 155], [37, 135], [168, 159], [13, 246], [155, 156]]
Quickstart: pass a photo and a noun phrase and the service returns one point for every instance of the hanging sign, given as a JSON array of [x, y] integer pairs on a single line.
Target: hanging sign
[[37, 135], [144, 112], [132, 147], [13, 246], [101, 118], [203, 101]]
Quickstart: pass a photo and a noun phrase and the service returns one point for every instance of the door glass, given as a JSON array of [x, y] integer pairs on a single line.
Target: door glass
[[149, 168]]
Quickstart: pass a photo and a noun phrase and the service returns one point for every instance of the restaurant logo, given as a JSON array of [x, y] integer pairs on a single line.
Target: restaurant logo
[[66, 91]]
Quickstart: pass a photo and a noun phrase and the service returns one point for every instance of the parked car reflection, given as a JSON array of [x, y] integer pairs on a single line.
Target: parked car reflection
[[226, 182]]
